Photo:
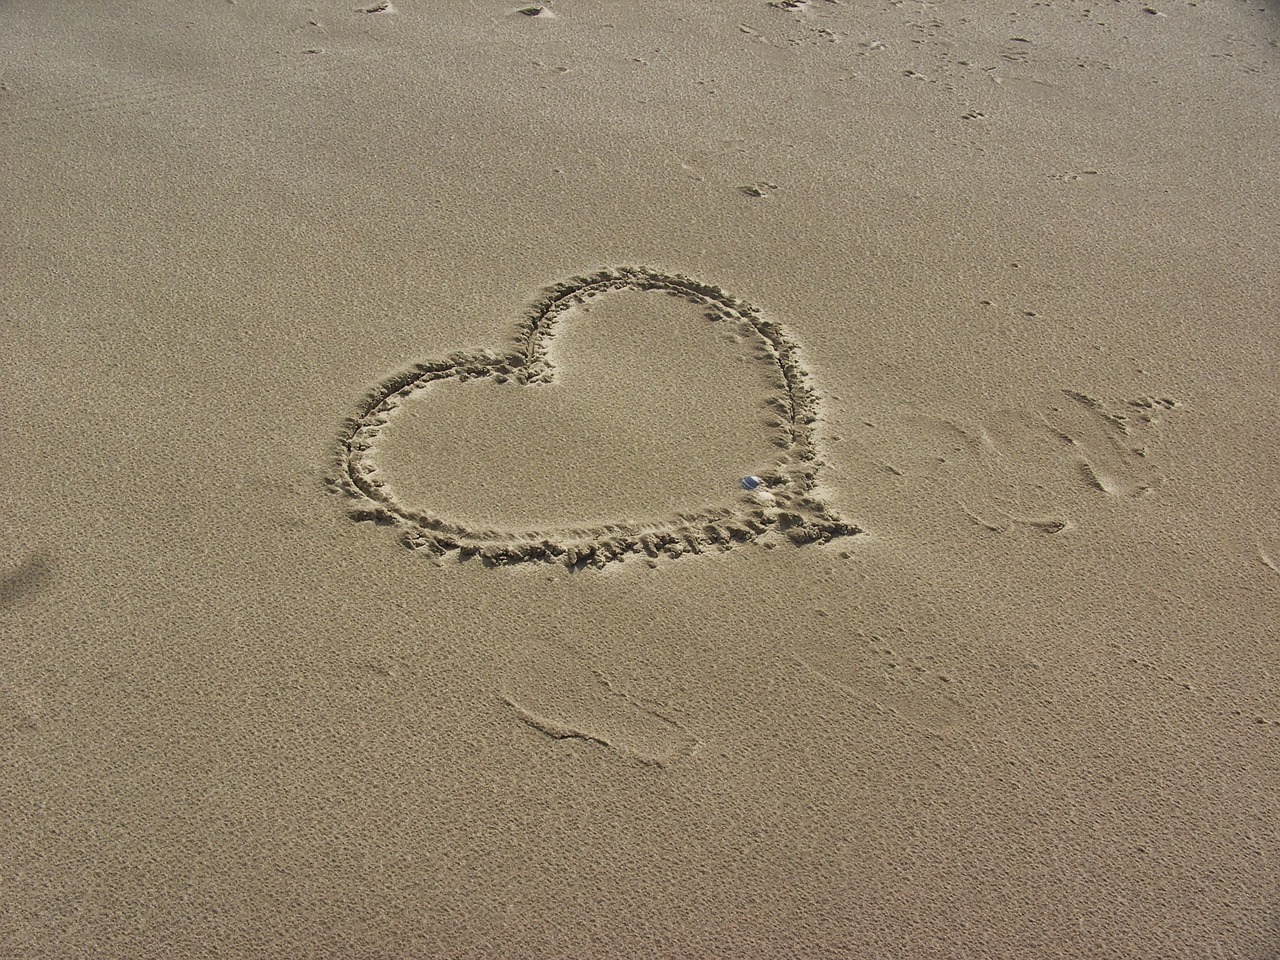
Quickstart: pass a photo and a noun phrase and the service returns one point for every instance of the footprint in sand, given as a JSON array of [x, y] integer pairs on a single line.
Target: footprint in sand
[[1025, 469], [622, 420], [605, 715]]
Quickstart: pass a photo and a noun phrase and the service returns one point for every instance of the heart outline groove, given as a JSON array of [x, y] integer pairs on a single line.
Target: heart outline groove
[[790, 505]]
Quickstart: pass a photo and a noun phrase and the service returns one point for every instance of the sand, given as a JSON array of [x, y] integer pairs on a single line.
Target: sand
[[985, 668]]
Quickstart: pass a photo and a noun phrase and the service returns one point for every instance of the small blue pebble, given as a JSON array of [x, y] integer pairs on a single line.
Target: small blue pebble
[[750, 483]]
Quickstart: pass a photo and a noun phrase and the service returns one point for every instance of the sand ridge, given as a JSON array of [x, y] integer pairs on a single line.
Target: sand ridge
[[788, 501]]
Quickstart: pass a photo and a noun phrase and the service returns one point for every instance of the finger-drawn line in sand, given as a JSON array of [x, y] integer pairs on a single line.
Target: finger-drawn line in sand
[[793, 508]]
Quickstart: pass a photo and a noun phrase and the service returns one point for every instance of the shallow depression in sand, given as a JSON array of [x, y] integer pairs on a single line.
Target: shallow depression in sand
[[654, 410]]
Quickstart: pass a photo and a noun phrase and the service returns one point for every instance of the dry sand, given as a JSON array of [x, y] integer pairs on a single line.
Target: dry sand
[[1028, 256]]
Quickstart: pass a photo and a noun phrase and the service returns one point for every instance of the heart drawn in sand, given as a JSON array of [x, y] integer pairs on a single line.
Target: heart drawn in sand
[[784, 504]]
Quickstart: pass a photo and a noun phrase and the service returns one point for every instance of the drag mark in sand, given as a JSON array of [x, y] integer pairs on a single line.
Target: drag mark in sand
[[788, 503]]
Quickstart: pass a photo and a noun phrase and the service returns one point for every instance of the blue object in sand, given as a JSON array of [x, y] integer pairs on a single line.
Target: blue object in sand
[[750, 483]]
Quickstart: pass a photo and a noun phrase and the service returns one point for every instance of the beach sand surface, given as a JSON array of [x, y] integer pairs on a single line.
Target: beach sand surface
[[1027, 256]]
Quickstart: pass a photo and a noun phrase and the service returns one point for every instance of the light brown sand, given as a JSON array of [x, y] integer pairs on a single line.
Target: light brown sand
[[616, 434], [1029, 253]]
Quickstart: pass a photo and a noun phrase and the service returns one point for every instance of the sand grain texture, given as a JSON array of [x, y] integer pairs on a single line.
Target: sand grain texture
[[1027, 254]]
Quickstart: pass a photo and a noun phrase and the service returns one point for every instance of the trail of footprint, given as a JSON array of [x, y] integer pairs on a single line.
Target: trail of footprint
[[1110, 442], [611, 718], [887, 682], [1019, 469]]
